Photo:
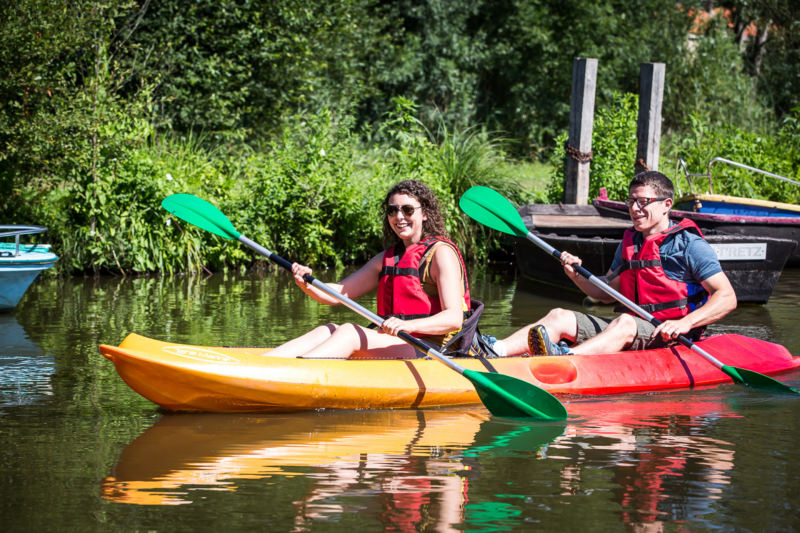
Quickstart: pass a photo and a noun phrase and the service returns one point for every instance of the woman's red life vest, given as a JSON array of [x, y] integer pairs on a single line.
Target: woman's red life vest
[[400, 291], [642, 278]]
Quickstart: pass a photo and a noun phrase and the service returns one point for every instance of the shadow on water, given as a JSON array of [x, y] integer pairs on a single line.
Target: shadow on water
[[81, 451]]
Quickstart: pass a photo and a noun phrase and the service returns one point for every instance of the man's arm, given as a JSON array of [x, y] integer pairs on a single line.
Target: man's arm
[[584, 284], [721, 301]]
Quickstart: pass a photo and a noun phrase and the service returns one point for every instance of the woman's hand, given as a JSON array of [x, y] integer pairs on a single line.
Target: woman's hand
[[393, 325], [299, 271], [568, 260]]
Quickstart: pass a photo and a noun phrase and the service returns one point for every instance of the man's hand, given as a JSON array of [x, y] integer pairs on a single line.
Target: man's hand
[[672, 328], [568, 260]]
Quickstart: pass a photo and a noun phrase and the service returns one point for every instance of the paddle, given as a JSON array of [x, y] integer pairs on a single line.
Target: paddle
[[492, 209], [502, 395]]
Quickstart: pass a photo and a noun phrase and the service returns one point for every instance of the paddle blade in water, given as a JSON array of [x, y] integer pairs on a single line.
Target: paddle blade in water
[[511, 397], [757, 381], [200, 213], [492, 209]]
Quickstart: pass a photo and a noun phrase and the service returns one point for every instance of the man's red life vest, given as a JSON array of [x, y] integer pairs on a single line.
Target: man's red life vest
[[400, 290], [642, 278]]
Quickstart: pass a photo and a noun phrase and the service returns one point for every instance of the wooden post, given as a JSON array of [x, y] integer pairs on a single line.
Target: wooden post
[[581, 121], [648, 129]]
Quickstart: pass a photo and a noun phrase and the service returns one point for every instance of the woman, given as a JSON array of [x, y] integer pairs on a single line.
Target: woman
[[421, 282]]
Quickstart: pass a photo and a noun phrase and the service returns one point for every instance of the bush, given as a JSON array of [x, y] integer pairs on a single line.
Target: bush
[[301, 196], [777, 152], [113, 221]]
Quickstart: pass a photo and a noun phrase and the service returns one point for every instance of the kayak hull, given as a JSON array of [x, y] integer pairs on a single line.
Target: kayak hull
[[192, 378]]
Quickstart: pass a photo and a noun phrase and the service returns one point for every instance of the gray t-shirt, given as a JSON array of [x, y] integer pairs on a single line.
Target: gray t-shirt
[[685, 256]]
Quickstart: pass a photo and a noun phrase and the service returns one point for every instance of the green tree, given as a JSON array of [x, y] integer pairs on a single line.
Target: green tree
[[61, 113], [235, 67]]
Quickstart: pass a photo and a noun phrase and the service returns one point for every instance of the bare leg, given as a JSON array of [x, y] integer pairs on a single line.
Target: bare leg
[[357, 341], [342, 342], [305, 343], [559, 323], [617, 336]]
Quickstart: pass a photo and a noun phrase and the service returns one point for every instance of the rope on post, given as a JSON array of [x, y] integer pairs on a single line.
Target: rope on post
[[577, 155]]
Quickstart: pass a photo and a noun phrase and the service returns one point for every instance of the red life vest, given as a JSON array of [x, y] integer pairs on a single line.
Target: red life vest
[[643, 280], [400, 290]]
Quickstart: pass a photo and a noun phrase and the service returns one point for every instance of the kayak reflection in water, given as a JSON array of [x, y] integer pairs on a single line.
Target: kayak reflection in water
[[421, 283], [668, 269]]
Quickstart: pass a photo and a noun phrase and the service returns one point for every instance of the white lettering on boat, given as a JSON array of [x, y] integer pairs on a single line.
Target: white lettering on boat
[[741, 252], [200, 354]]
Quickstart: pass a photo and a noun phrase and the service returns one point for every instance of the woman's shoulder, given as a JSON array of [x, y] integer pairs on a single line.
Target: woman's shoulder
[[445, 254]]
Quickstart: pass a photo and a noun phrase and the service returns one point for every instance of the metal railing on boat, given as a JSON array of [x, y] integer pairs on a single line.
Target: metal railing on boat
[[20, 230], [729, 162]]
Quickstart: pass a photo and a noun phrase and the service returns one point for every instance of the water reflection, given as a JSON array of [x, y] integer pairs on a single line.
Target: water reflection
[[663, 466], [416, 470], [25, 369]]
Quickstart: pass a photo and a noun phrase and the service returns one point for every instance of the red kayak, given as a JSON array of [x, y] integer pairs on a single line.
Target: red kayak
[[184, 377]]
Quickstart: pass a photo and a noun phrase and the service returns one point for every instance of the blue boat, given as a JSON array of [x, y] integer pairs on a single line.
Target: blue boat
[[21, 263], [719, 204]]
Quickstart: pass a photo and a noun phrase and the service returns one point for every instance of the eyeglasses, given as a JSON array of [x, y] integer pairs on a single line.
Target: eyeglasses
[[643, 201], [408, 210]]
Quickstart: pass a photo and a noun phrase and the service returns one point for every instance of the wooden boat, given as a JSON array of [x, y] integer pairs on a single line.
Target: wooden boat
[[20, 264], [225, 379], [753, 264], [729, 214]]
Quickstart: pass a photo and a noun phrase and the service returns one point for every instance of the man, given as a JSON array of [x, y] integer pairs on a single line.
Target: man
[[666, 268]]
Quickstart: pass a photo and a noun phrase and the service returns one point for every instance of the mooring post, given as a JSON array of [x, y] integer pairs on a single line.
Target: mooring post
[[581, 121], [648, 129]]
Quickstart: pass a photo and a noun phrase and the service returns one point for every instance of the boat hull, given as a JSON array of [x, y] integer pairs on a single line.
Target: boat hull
[[19, 266], [15, 280], [218, 379], [753, 280]]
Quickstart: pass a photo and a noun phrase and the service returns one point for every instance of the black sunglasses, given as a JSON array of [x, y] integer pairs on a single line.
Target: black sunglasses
[[408, 210], [643, 201]]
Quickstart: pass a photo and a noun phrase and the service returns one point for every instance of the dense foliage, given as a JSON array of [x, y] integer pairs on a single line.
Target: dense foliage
[[295, 117]]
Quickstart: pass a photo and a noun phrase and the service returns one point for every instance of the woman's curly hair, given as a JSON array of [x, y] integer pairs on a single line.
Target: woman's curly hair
[[434, 226]]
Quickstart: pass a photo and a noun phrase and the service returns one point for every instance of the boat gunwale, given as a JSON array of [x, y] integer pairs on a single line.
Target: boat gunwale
[[715, 217]]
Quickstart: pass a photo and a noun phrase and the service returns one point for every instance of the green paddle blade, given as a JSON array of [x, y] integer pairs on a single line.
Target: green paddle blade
[[757, 381], [511, 397], [492, 209], [200, 213]]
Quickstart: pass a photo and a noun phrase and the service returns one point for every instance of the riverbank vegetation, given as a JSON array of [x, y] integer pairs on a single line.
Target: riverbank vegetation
[[295, 118]]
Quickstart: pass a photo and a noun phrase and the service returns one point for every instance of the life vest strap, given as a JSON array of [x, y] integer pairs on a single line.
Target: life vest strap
[[634, 265], [397, 271], [682, 302], [467, 314]]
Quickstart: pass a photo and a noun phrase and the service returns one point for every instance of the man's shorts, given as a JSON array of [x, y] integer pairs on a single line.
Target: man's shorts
[[590, 326]]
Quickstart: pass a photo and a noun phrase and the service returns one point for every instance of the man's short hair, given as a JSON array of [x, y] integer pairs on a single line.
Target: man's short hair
[[657, 181]]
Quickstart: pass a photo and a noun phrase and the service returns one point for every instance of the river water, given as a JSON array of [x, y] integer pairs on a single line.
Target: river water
[[80, 451]]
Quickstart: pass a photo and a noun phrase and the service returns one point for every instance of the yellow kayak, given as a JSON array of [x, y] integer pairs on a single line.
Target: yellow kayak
[[221, 379]]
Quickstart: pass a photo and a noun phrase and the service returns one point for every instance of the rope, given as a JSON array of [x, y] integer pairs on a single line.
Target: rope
[[577, 155]]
